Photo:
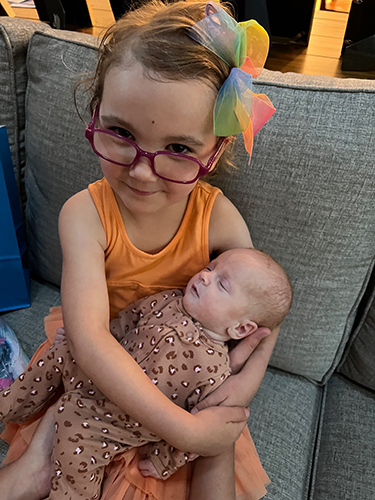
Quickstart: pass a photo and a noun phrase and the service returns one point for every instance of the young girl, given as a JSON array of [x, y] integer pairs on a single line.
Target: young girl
[[150, 224]]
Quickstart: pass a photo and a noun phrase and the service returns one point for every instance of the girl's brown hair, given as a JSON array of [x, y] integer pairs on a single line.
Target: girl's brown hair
[[155, 35]]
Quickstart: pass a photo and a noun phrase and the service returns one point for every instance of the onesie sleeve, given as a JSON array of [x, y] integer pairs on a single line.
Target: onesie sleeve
[[129, 317]]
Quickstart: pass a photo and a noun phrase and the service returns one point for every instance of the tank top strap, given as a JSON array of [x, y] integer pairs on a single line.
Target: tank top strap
[[194, 229], [109, 213]]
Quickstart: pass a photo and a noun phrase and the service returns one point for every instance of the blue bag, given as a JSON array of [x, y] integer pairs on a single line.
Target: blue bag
[[14, 272]]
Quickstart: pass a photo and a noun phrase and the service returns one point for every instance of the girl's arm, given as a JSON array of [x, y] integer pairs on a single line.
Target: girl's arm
[[115, 373], [251, 356]]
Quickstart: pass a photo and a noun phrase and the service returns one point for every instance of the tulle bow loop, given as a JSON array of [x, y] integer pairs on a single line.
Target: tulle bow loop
[[244, 48], [233, 105], [221, 34], [257, 46]]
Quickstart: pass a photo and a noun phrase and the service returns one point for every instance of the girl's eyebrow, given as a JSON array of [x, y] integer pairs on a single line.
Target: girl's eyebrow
[[116, 119], [185, 139]]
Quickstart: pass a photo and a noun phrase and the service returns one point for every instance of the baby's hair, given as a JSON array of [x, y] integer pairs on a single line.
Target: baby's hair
[[276, 291], [155, 35]]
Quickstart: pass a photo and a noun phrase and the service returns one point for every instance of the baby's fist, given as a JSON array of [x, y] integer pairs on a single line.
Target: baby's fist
[[147, 469]]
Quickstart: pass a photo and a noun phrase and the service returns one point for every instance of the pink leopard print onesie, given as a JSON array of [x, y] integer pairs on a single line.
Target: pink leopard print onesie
[[173, 351]]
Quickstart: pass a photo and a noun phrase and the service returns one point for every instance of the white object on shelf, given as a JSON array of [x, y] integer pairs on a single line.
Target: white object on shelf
[[22, 3]]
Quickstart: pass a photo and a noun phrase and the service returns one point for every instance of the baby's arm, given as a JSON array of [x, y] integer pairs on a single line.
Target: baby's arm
[[115, 373], [241, 387], [126, 320], [129, 317]]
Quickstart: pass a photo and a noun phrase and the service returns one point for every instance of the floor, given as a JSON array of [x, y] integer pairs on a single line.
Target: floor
[[320, 57]]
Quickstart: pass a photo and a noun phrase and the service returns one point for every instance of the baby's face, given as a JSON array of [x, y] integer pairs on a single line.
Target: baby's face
[[216, 296]]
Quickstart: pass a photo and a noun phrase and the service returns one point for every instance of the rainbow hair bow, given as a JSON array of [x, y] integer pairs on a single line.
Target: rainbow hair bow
[[244, 47]]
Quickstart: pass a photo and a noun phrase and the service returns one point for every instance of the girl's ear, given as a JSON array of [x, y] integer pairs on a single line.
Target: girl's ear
[[242, 330]]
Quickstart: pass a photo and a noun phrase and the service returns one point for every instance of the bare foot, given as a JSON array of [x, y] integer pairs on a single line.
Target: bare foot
[[147, 469], [35, 463], [60, 336]]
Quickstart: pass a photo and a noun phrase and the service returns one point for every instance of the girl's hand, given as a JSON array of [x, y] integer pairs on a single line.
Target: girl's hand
[[216, 429], [244, 348], [232, 392]]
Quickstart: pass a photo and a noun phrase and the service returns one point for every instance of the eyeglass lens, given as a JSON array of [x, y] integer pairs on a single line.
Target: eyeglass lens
[[170, 167]]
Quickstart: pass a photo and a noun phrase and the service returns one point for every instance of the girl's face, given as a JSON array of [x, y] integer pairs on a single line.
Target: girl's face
[[171, 116]]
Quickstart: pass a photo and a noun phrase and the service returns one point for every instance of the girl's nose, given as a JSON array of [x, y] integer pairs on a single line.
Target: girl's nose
[[142, 170]]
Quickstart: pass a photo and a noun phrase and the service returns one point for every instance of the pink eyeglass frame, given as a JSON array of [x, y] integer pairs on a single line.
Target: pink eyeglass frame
[[203, 169]]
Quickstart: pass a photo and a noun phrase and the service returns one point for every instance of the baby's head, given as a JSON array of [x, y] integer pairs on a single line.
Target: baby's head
[[239, 291], [155, 36]]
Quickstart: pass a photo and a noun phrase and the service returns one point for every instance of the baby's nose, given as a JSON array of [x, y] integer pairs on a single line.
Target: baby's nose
[[205, 277]]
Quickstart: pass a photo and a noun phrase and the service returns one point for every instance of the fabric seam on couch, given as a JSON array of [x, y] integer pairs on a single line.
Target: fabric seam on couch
[[62, 39], [348, 331], [315, 88], [315, 454], [362, 319]]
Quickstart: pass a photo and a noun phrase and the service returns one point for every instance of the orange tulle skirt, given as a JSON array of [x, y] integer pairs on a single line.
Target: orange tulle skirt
[[122, 480]]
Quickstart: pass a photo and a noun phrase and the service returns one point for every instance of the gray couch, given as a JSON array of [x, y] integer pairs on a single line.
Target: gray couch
[[308, 198]]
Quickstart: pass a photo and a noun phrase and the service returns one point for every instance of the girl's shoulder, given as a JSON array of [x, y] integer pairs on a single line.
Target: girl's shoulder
[[77, 206], [227, 227], [79, 216]]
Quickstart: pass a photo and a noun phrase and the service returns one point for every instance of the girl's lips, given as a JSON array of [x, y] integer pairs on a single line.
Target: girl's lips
[[141, 193], [194, 290]]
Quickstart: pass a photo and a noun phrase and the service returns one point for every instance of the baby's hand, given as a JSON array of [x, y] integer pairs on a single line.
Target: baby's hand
[[147, 469], [60, 336]]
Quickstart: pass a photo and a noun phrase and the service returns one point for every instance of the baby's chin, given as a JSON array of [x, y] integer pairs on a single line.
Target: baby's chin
[[187, 306]]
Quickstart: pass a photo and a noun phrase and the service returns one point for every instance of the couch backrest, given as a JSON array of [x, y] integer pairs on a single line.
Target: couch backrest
[[307, 194], [14, 38], [60, 161], [308, 198]]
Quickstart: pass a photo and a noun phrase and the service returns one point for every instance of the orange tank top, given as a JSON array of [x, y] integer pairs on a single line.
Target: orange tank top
[[131, 273]]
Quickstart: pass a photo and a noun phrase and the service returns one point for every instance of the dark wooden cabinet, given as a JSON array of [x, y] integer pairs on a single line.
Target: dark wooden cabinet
[[285, 20]]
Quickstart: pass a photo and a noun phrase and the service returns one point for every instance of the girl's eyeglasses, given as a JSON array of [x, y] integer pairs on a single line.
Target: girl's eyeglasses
[[170, 166]]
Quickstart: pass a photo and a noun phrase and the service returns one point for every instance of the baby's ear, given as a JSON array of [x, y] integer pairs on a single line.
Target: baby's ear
[[242, 330]]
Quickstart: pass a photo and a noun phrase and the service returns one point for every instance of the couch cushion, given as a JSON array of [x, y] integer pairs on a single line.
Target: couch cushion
[[59, 158], [14, 38], [308, 198], [358, 360], [283, 422], [28, 324], [345, 467]]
